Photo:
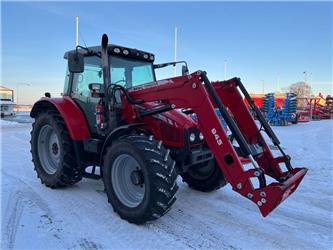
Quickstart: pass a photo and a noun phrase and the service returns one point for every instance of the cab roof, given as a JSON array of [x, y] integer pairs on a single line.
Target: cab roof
[[116, 50]]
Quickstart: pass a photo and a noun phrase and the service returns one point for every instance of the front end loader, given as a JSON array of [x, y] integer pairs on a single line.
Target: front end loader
[[117, 122]]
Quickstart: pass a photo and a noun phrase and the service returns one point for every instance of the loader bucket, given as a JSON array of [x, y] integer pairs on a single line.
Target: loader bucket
[[253, 146], [269, 197]]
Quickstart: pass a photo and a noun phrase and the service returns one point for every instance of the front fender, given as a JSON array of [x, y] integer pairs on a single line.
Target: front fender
[[125, 129], [72, 115]]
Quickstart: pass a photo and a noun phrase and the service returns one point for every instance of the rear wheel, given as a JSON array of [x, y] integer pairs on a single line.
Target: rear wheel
[[139, 178], [205, 177], [52, 151]]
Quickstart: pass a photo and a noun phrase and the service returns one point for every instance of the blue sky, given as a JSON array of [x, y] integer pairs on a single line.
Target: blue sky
[[271, 43]]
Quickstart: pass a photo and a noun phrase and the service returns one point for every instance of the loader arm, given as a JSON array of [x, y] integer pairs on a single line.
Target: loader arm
[[194, 91], [229, 93]]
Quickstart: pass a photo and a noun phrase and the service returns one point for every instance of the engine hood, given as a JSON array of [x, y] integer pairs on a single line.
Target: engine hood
[[175, 118], [172, 127]]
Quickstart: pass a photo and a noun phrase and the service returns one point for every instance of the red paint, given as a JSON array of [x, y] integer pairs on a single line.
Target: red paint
[[258, 100], [279, 102], [168, 126], [74, 118], [189, 92]]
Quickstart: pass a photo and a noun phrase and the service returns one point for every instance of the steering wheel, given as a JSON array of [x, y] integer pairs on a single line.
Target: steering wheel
[[120, 81], [112, 84]]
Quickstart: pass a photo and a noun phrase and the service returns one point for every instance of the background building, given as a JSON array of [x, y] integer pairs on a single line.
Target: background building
[[6, 101]]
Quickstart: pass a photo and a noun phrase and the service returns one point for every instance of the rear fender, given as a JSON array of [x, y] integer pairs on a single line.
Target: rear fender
[[71, 113]]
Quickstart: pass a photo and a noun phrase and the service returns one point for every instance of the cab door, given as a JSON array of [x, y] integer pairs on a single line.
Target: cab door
[[80, 88]]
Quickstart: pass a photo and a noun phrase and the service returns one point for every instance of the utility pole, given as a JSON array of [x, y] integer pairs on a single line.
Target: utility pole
[[310, 83], [175, 53], [263, 86], [311, 100], [308, 80], [225, 70], [305, 76], [77, 31]]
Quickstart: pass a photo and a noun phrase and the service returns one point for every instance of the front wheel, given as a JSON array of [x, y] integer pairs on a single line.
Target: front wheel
[[139, 178], [205, 177]]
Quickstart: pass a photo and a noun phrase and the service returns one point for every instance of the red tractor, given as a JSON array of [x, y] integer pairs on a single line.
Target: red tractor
[[115, 121]]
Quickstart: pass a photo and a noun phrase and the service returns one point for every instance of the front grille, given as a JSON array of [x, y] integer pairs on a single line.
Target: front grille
[[169, 133]]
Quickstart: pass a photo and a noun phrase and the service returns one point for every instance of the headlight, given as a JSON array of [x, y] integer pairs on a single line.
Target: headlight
[[151, 57], [192, 137], [116, 50], [201, 137], [126, 52], [145, 56]]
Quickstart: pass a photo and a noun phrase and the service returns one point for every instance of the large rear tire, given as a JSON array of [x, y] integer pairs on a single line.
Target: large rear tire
[[52, 151], [205, 177], [139, 178]]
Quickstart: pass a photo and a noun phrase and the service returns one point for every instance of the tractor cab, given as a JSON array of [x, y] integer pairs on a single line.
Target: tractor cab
[[128, 68]]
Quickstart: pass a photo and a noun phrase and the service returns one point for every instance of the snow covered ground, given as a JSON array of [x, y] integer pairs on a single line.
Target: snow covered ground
[[35, 217], [20, 116]]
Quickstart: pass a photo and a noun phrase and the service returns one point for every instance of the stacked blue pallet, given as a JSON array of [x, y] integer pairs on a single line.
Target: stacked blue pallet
[[274, 115], [280, 116], [290, 106], [268, 106]]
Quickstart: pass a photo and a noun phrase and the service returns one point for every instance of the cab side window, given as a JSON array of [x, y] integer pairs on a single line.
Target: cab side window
[[66, 85], [92, 74]]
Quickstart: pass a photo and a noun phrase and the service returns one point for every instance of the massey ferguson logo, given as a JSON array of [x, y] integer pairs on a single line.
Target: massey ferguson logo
[[150, 85], [288, 192], [217, 137]]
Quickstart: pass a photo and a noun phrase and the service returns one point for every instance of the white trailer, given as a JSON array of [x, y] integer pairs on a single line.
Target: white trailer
[[6, 101]]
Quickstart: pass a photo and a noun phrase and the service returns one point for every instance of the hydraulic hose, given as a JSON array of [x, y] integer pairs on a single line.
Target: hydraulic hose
[[124, 90]]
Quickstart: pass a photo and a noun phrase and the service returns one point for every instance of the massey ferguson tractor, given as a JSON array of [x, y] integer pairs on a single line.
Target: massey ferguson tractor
[[117, 123]]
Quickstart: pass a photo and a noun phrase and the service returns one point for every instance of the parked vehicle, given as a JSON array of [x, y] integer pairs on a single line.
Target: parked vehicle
[[140, 134]]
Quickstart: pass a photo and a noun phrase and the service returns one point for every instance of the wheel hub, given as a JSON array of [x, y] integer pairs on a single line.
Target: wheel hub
[[127, 180], [49, 149], [137, 177], [55, 148]]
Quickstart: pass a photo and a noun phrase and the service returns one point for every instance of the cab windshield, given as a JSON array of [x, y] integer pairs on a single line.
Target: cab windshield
[[124, 71], [130, 72]]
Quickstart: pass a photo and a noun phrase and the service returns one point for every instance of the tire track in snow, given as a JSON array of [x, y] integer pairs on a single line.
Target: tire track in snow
[[20, 198], [189, 230], [199, 227], [86, 245], [214, 220], [13, 214]]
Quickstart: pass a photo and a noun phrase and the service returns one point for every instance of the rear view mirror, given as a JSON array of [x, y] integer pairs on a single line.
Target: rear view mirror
[[184, 70], [75, 62]]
